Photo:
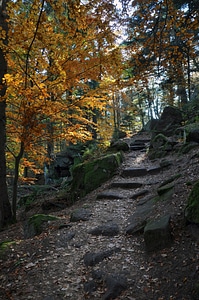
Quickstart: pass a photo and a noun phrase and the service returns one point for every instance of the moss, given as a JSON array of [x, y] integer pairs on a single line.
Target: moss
[[192, 208], [159, 140], [37, 220], [99, 171], [4, 246], [90, 175]]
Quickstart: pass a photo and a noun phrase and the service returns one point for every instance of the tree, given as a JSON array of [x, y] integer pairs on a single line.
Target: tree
[[162, 39], [61, 47], [5, 209]]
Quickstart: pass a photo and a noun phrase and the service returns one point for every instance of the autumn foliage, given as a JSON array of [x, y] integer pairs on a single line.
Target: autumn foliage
[[60, 55], [162, 46]]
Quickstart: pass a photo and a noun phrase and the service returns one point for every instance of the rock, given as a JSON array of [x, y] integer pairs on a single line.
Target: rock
[[171, 115], [157, 234], [154, 170], [160, 140], [165, 188], [80, 214], [165, 163], [109, 195], [33, 226], [139, 144], [136, 227], [159, 147], [163, 130], [192, 208], [109, 229], [92, 259], [119, 146], [170, 120], [98, 274], [193, 135], [140, 194], [116, 284], [134, 172], [90, 175], [65, 238], [90, 286], [126, 185], [138, 220]]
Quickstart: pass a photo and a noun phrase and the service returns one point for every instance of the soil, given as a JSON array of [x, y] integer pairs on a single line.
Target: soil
[[50, 266]]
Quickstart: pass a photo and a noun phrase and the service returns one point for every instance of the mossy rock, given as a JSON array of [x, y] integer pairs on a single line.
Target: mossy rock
[[159, 146], [159, 140], [4, 247], [192, 208], [90, 175], [164, 192], [119, 146], [165, 188], [34, 224]]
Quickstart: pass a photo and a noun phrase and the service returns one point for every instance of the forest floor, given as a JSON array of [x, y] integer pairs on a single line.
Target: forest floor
[[50, 266]]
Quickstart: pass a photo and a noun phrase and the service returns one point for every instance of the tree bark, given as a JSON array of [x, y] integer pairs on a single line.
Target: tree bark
[[15, 183], [5, 207]]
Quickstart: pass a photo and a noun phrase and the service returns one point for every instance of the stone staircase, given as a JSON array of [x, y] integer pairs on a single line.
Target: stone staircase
[[130, 193]]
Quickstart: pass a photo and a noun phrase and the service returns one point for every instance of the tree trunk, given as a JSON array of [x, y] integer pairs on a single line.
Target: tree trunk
[[15, 182], [5, 208]]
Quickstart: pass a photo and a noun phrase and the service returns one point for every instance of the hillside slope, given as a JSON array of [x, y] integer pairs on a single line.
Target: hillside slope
[[97, 258]]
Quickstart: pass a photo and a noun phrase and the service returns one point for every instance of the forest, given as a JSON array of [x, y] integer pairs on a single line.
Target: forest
[[81, 70]]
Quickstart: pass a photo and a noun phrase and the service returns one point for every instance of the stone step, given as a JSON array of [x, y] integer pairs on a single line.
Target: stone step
[[139, 144], [134, 172], [140, 172], [109, 195], [126, 185], [140, 194], [137, 147], [108, 229], [154, 170]]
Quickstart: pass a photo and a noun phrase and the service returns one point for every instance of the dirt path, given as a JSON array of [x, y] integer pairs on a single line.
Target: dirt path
[[69, 262]]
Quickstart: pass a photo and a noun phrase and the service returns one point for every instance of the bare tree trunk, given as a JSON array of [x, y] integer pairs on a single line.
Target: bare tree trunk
[[5, 208], [15, 182]]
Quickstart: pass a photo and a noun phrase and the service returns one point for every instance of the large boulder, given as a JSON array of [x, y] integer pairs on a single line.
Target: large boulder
[[192, 208], [169, 121], [88, 176]]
